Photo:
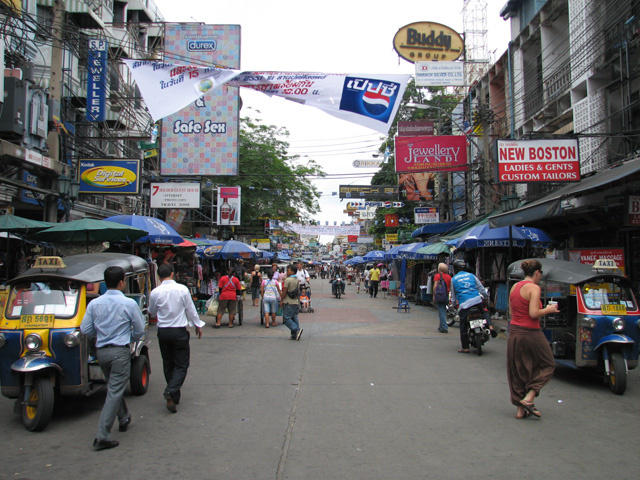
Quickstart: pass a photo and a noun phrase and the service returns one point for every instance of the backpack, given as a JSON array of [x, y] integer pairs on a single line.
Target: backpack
[[440, 294]]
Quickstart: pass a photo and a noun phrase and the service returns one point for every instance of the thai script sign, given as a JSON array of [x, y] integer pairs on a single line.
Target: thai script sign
[[415, 128], [521, 161]]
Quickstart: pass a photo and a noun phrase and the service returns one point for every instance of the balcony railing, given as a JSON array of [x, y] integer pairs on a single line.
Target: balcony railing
[[558, 82]]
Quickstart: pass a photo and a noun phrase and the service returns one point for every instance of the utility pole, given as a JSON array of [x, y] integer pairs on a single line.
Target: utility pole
[[55, 96]]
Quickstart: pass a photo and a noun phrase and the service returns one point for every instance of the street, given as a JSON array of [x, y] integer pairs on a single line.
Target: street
[[367, 393]]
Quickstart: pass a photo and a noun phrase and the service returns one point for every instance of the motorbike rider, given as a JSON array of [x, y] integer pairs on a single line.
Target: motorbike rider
[[467, 291], [335, 281]]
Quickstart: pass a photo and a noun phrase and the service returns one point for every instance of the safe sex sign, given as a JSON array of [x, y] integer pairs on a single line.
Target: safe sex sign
[[522, 161]]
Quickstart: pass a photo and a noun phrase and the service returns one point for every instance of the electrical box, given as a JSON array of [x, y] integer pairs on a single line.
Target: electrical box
[[12, 121]]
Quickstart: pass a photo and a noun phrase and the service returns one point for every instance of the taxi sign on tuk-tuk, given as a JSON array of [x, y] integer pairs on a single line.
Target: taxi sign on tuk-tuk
[[49, 262], [605, 264]]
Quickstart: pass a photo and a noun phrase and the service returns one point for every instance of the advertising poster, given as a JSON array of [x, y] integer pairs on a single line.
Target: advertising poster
[[175, 195], [109, 177], [202, 138], [588, 256], [425, 215], [521, 161], [228, 205]]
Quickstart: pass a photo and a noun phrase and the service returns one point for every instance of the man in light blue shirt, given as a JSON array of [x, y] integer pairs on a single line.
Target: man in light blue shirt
[[115, 321]]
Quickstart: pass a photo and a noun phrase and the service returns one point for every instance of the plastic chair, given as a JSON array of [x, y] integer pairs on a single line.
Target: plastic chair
[[201, 306], [403, 303]]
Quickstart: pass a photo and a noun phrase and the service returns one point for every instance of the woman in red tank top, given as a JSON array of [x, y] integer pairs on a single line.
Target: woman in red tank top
[[530, 362]]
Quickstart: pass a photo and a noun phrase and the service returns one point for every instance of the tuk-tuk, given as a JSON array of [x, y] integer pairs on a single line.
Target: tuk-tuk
[[598, 323], [43, 354]]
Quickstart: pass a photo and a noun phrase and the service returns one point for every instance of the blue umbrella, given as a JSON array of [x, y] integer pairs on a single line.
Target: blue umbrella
[[232, 249], [357, 260], [392, 252], [209, 250], [374, 255], [268, 255], [411, 250], [159, 231], [485, 236]]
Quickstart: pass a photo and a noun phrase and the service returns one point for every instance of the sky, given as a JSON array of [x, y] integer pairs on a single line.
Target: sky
[[330, 37]]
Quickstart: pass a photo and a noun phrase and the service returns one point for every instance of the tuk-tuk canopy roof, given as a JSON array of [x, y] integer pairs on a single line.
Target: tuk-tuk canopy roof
[[87, 268], [561, 271]]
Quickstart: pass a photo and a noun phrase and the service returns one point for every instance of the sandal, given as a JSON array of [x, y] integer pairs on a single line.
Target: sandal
[[462, 350], [531, 409], [231, 326], [216, 325]]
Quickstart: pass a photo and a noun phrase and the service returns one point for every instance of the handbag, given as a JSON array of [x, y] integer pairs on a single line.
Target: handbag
[[279, 310]]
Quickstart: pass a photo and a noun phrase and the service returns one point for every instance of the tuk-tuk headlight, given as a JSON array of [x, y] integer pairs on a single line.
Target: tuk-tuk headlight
[[3, 340], [618, 324], [33, 342], [588, 322], [72, 339]]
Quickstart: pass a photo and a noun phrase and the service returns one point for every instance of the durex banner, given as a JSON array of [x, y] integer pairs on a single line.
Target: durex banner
[[438, 154], [521, 161]]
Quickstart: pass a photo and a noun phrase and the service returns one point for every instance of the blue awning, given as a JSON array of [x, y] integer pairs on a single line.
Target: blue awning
[[436, 228]]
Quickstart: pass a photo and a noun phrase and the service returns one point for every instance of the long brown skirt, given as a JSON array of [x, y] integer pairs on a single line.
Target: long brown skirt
[[530, 362]]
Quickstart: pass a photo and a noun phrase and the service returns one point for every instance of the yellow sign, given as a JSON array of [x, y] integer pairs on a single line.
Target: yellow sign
[[49, 262], [422, 41], [37, 321], [391, 237], [613, 309], [110, 176]]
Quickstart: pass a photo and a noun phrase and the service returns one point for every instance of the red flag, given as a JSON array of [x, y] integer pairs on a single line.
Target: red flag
[[391, 220]]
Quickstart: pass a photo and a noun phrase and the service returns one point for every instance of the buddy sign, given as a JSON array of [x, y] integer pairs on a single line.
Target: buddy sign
[[422, 41]]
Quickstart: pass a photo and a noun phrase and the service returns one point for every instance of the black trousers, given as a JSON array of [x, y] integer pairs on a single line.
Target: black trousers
[[175, 351], [373, 288]]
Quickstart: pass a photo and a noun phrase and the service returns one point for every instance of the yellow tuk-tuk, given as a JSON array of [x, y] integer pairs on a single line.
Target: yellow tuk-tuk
[[43, 352]]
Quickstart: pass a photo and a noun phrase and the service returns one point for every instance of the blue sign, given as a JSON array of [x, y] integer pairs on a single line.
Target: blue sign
[[97, 81]]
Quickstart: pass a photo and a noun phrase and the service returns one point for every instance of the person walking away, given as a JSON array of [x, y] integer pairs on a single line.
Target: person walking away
[[442, 278], [115, 321], [256, 280], [228, 298], [271, 295], [374, 280], [467, 291], [172, 305], [290, 305], [530, 363], [367, 281]]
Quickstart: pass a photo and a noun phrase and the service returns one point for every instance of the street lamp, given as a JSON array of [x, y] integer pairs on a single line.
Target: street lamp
[[507, 203], [68, 190]]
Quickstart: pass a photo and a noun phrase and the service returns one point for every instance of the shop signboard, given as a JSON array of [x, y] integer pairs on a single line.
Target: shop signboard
[[425, 215], [588, 256], [415, 128], [446, 153], [109, 176], [633, 211], [97, 80], [175, 195], [421, 41], [524, 161], [375, 192], [439, 74]]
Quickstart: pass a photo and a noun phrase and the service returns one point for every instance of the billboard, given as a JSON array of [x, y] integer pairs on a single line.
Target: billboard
[[425, 215], [97, 80], [521, 161], [202, 138], [439, 74], [229, 205], [377, 192], [175, 195], [109, 176], [435, 154]]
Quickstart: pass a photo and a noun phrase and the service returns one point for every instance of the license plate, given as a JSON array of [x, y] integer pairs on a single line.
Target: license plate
[[37, 321], [476, 323], [613, 309]]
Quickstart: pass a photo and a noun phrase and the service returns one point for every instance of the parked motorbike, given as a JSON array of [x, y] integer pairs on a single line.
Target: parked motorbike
[[478, 329], [452, 314]]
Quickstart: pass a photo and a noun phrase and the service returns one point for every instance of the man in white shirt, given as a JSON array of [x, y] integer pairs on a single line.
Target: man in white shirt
[[171, 303], [303, 277]]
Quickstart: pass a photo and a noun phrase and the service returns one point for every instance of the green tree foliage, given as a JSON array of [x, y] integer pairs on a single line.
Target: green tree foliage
[[274, 184], [386, 175]]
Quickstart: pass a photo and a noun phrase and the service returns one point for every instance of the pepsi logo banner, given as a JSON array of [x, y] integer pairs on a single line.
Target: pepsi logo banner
[[368, 100], [439, 154]]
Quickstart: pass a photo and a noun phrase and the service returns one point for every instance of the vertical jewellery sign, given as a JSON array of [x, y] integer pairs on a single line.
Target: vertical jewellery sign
[[97, 80]]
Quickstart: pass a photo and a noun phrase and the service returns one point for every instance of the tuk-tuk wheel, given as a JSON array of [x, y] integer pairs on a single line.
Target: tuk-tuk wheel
[[37, 412], [140, 375], [617, 374]]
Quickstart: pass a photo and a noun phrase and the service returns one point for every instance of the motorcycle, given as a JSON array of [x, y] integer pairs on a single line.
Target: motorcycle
[[337, 287], [452, 314], [478, 329]]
